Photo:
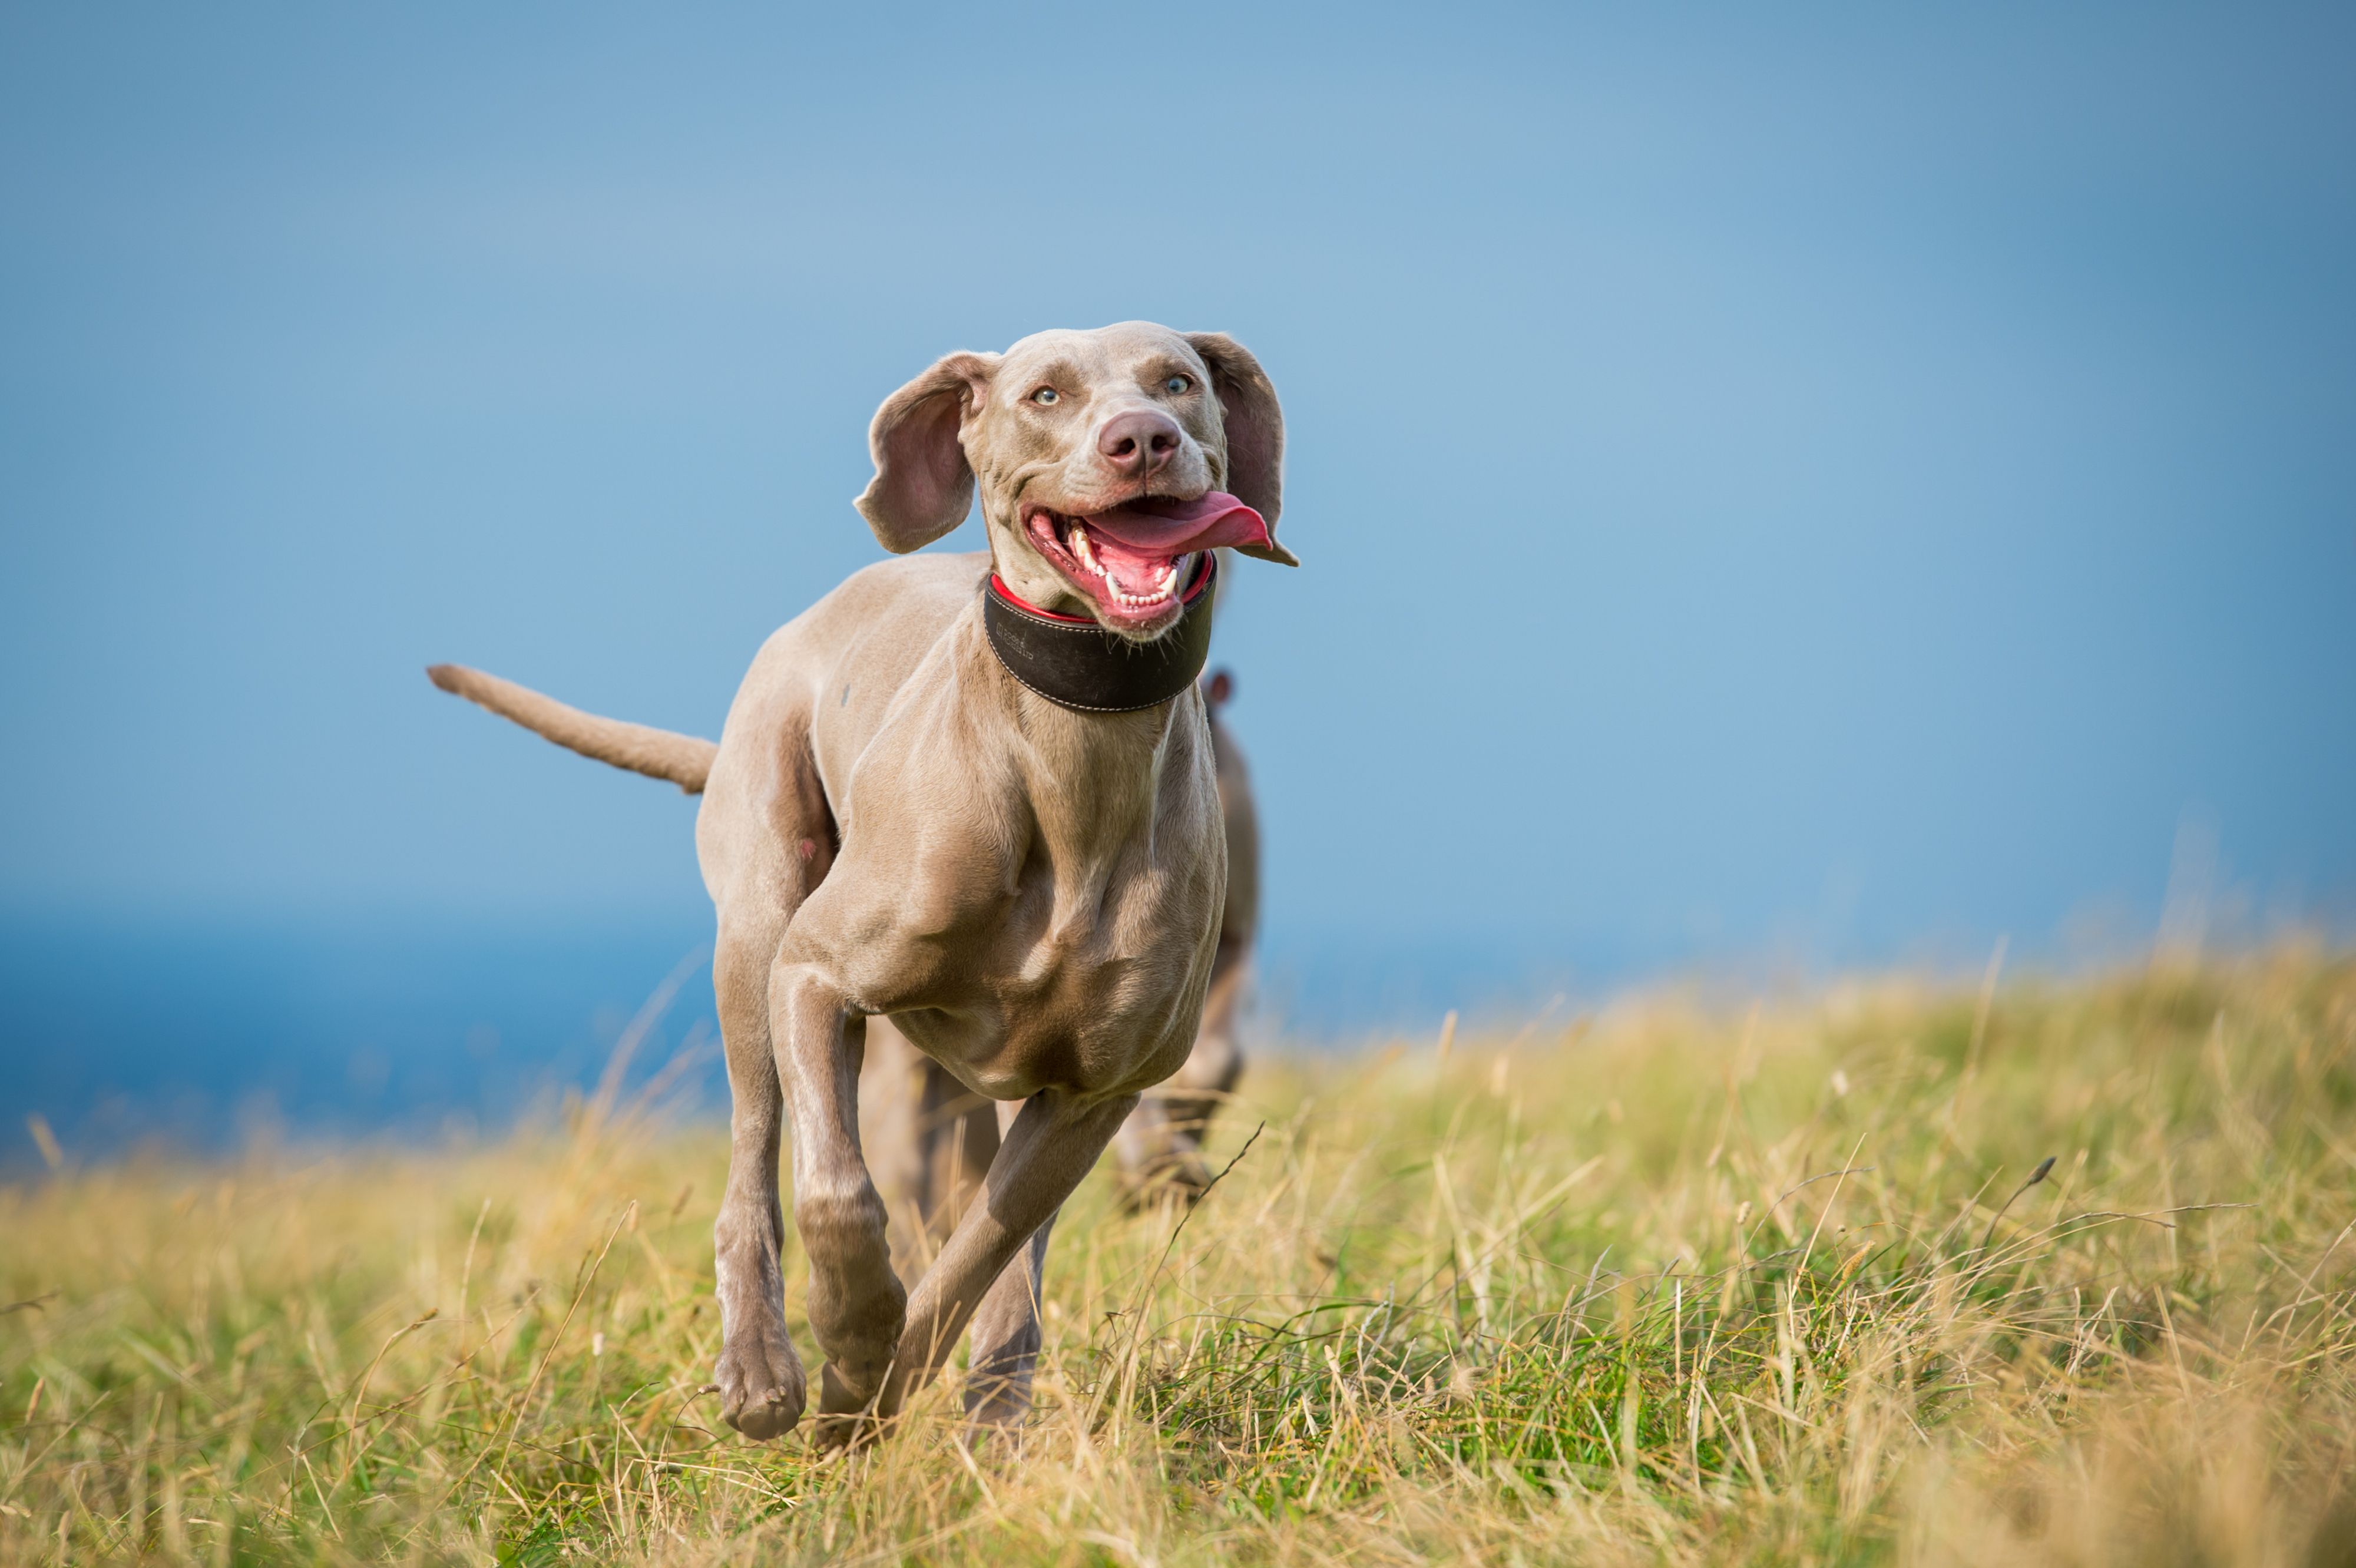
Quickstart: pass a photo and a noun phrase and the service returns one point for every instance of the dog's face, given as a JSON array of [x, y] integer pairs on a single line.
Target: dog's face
[[1107, 463]]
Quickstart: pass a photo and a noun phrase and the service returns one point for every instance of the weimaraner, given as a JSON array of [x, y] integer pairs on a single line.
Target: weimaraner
[[939, 800]]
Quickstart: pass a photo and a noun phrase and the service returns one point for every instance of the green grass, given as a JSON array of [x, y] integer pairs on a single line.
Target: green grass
[[1668, 1285]]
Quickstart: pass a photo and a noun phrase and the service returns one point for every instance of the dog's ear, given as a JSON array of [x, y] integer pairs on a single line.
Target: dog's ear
[[1255, 429], [923, 486]]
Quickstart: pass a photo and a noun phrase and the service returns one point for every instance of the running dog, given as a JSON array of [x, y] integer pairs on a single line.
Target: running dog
[[976, 796]]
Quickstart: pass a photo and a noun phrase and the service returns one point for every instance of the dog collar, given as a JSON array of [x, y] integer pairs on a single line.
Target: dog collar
[[1075, 663]]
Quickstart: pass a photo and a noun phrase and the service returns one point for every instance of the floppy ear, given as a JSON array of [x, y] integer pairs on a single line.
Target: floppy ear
[[923, 486], [1255, 427]]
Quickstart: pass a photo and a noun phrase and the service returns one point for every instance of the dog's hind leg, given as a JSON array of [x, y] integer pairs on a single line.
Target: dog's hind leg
[[762, 1386], [1006, 1334], [893, 1137], [927, 1139], [765, 840], [1006, 1337]]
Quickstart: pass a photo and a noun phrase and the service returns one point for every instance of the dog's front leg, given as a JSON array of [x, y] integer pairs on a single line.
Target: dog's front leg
[[1054, 1142], [856, 1303]]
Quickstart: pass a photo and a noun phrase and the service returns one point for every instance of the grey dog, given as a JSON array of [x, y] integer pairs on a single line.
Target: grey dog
[[913, 850]]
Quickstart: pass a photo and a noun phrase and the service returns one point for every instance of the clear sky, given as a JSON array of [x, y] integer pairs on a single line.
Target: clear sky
[[1852, 481]]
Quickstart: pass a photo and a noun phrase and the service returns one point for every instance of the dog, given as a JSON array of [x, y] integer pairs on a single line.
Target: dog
[[967, 805]]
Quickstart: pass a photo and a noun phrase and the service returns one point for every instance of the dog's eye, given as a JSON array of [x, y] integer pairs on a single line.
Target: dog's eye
[[1045, 396], [1176, 384]]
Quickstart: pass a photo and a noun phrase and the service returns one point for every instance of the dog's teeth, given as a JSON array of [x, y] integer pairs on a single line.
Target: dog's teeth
[[1084, 552]]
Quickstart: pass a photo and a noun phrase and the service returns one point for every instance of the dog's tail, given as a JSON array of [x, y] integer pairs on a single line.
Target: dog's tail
[[684, 759]]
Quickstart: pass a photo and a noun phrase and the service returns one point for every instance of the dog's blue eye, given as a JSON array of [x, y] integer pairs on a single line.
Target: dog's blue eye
[[1045, 396], [1176, 384]]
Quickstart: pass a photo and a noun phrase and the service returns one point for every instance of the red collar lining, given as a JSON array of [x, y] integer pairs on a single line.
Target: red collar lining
[[997, 586]]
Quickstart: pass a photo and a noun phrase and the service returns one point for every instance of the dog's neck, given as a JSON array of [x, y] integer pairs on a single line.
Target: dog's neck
[[1076, 664], [1098, 782]]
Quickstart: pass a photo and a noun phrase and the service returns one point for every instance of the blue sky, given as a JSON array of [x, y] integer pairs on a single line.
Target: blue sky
[[1848, 482]]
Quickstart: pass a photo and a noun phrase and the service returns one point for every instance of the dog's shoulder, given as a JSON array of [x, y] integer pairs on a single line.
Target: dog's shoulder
[[931, 573], [910, 594]]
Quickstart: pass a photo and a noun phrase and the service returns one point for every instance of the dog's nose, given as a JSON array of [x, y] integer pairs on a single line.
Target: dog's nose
[[1138, 442]]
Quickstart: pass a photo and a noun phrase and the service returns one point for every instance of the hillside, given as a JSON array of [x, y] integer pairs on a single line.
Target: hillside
[[2052, 1273]]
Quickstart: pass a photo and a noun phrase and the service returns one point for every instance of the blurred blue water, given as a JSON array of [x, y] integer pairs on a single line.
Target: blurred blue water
[[205, 1036], [210, 1036]]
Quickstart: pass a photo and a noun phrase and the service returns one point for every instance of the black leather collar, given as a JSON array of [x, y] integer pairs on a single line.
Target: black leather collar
[[1078, 664]]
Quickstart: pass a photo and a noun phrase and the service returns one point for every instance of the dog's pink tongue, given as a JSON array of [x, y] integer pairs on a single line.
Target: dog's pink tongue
[[1156, 527]]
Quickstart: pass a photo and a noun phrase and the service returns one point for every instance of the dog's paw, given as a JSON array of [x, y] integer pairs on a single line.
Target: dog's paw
[[762, 1385], [1179, 1176], [849, 1415], [997, 1404]]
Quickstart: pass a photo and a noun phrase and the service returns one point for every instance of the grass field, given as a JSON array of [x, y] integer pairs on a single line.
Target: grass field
[[1669, 1284]]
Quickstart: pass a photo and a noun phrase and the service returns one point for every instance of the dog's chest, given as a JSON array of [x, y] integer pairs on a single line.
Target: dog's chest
[[1033, 893], [1052, 961]]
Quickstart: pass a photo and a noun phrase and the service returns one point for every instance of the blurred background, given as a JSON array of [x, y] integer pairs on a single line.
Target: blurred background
[[1780, 493]]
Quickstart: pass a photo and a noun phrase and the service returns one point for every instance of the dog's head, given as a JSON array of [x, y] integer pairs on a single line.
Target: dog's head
[[1107, 461]]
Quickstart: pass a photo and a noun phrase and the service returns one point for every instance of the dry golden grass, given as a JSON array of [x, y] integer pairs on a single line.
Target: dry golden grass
[[1668, 1285]]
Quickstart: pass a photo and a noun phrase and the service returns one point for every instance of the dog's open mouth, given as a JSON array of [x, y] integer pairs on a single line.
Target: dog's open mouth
[[1134, 560]]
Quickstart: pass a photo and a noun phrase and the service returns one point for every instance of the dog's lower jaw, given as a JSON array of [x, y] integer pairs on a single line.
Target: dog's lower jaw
[[1046, 584]]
